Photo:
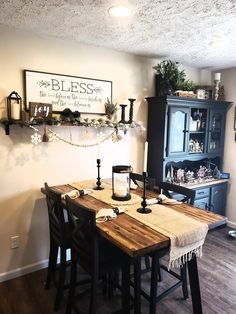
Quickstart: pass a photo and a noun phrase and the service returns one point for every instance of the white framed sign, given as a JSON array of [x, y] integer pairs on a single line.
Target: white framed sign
[[81, 94]]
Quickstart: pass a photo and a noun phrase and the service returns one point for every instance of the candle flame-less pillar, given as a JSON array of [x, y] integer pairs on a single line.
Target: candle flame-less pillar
[[98, 151], [217, 76], [145, 157]]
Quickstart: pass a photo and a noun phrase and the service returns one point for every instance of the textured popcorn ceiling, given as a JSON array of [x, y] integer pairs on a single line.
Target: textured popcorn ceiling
[[197, 33]]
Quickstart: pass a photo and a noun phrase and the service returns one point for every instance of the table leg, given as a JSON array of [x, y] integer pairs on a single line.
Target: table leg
[[154, 282], [125, 284], [194, 285], [137, 285]]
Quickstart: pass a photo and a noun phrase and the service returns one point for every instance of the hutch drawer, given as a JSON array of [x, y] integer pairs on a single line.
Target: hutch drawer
[[202, 193]]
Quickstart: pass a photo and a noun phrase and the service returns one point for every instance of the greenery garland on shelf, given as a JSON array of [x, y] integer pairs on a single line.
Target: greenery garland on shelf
[[69, 118], [97, 124]]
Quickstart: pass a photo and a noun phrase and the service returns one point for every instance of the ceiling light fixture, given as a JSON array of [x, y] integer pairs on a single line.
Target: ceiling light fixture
[[217, 43], [119, 11]]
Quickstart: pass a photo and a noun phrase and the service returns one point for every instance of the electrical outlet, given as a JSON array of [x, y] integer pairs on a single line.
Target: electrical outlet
[[15, 242]]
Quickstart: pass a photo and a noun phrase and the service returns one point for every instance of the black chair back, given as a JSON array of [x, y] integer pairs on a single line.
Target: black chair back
[[82, 222], [188, 195], [57, 224], [137, 178]]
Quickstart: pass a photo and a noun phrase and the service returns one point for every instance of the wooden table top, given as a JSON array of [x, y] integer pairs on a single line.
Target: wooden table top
[[132, 236]]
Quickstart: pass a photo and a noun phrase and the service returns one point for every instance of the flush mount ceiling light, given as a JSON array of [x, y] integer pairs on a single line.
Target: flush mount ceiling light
[[217, 43], [119, 11]]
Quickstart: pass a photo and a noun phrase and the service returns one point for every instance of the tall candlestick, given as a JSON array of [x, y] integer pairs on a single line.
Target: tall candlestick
[[216, 91], [131, 110], [144, 209], [145, 157], [123, 113], [98, 183]]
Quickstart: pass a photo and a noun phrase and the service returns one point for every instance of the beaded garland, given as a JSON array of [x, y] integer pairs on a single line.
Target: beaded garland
[[80, 145]]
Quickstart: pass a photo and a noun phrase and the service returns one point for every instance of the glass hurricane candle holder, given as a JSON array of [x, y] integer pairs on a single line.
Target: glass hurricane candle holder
[[121, 183]]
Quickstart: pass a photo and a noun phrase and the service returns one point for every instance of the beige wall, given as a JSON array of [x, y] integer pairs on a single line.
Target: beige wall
[[228, 79], [25, 167]]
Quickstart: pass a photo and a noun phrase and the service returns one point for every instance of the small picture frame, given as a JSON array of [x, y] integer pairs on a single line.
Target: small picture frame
[[201, 93], [207, 89]]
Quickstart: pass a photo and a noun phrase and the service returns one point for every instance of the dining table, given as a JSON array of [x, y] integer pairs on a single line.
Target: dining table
[[136, 239]]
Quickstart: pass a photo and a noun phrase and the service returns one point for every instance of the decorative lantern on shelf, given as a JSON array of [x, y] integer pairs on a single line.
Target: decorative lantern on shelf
[[14, 107], [121, 183]]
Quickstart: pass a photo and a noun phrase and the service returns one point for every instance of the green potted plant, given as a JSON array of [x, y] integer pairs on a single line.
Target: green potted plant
[[170, 78]]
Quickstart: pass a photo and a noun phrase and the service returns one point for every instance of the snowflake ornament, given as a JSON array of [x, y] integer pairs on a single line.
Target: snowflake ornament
[[36, 138]]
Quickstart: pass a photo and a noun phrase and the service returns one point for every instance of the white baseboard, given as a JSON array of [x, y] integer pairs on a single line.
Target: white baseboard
[[231, 224], [29, 268], [23, 270]]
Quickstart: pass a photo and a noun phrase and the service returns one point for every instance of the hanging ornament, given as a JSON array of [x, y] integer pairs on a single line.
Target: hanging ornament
[[116, 137], [86, 135], [45, 135], [100, 136], [53, 137], [36, 138], [140, 127]]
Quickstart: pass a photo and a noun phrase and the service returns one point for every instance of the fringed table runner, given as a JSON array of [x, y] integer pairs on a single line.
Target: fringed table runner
[[186, 234]]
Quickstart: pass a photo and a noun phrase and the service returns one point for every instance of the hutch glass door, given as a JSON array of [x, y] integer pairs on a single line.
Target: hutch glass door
[[215, 139], [177, 138]]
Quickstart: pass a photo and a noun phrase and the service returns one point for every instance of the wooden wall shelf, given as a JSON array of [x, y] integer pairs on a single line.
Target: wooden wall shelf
[[94, 123]]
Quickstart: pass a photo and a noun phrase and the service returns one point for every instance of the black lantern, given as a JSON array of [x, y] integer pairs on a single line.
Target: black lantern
[[121, 183], [14, 107]]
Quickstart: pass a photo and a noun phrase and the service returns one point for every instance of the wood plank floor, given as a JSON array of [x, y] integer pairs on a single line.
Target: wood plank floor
[[217, 272]]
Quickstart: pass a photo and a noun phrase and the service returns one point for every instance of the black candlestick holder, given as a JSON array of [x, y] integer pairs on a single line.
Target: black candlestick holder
[[123, 113], [144, 209], [98, 183], [131, 109]]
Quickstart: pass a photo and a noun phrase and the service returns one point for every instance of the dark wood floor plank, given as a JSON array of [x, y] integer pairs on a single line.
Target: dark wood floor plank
[[217, 272]]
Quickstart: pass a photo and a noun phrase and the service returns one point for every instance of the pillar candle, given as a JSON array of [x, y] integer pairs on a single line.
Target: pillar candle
[[217, 76], [145, 157], [15, 111]]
